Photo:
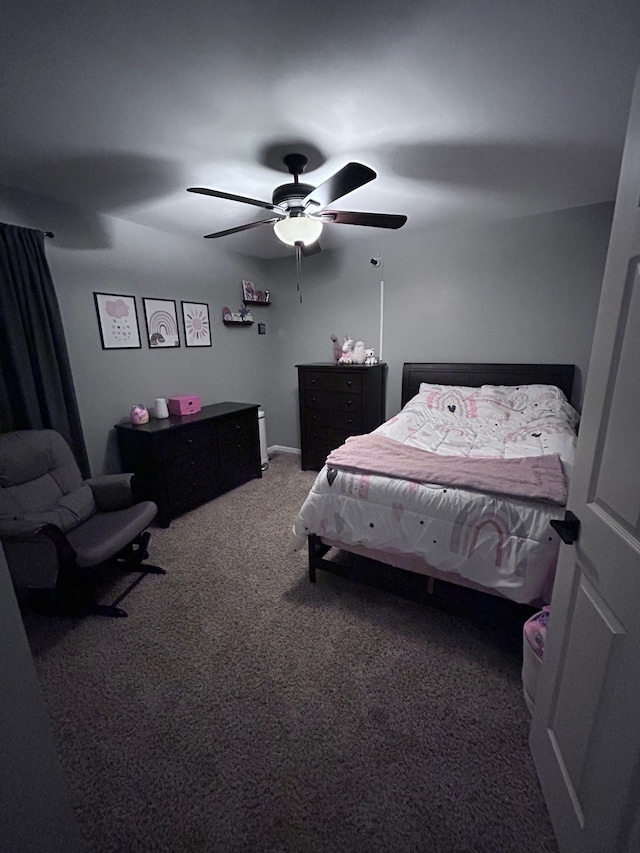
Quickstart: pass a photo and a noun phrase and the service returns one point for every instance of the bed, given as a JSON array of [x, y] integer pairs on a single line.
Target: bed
[[459, 486]]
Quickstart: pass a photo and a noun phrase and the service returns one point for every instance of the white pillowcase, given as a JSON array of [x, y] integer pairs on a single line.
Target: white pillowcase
[[497, 402]]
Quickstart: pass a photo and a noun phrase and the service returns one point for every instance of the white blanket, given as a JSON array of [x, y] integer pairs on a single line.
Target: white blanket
[[501, 543]]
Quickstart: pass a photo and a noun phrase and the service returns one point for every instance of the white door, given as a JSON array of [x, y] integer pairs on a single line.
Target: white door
[[585, 735]]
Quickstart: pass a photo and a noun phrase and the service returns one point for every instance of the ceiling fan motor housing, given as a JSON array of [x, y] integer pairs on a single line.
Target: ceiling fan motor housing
[[290, 196]]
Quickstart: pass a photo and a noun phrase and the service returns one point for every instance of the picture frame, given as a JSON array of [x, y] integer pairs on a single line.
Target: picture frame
[[117, 320], [162, 323], [251, 294], [196, 324], [248, 291]]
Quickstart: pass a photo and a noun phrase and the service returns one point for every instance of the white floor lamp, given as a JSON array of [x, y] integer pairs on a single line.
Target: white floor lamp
[[379, 264]]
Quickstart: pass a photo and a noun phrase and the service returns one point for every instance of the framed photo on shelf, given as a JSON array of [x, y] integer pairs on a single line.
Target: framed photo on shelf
[[117, 321], [197, 328], [248, 291], [162, 323]]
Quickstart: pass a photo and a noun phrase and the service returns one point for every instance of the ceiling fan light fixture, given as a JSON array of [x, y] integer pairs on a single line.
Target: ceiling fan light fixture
[[298, 229]]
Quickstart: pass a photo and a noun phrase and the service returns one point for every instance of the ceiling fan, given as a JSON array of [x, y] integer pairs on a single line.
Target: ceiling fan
[[301, 209]]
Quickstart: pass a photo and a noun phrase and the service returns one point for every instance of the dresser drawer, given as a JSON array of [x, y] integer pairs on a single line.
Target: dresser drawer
[[187, 442], [327, 380], [328, 439], [320, 418], [187, 493], [332, 401], [196, 469], [231, 429]]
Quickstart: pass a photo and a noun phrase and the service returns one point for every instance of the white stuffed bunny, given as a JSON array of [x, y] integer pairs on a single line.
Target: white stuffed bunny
[[359, 353]]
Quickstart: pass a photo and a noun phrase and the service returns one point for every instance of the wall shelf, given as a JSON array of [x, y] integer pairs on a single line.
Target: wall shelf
[[257, 301], [238, 322]]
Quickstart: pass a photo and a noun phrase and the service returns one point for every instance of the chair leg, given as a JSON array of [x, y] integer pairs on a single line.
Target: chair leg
[[131, 560], [71, 604], [106, 610], [70, 596]]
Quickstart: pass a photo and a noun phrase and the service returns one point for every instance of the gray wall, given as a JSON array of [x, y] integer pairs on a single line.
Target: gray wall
[[114, 256], [520, 290]]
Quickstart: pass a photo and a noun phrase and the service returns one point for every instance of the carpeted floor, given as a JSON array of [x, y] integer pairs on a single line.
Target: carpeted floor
[[241, 708]]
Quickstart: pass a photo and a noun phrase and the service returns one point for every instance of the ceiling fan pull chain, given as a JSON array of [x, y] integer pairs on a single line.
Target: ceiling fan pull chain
[[298, 267]]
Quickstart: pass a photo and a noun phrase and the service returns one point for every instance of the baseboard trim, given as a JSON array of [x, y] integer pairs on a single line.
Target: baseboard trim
[[281, 448]]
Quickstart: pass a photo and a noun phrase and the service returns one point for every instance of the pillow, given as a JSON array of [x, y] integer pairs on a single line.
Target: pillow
[[534, 400], [496, 402], [464, 401], [459, 400]]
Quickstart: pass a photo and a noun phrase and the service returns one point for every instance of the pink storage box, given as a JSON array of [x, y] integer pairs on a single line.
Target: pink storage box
[[184, 405]]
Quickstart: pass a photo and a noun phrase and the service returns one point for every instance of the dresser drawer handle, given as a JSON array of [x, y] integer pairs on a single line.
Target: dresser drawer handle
[[313, 399], [313, 381], [349, 383]]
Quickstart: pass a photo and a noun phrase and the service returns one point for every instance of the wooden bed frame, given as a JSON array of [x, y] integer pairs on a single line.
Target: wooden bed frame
[[403, 581]]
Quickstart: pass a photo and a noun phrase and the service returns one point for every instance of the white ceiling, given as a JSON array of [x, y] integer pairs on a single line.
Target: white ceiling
[[467, 109]]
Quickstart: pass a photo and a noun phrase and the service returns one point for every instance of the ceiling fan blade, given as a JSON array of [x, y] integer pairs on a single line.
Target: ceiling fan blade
[[349, 178], [311, 249], [243, 227], [219, 194], [374, 220]]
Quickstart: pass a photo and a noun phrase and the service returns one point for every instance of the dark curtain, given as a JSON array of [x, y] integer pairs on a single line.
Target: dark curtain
[[36, 386]]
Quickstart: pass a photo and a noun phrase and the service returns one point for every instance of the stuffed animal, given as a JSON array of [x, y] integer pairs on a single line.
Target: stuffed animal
[[337, 349], [370, 356], [359, 353], [347, 351]]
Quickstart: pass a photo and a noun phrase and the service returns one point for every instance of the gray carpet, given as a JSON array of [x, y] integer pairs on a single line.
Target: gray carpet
[[241, 708]]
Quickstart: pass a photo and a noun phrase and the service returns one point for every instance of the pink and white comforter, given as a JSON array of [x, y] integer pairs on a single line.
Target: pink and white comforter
[[500, 542]]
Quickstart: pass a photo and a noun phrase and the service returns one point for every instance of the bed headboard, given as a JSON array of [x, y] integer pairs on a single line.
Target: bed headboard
[[413, 373]]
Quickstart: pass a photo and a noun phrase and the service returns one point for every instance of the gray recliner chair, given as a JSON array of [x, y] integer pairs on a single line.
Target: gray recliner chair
[[57, 528]]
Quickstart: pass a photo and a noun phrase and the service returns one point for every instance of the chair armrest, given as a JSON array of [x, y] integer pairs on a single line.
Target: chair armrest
[[112, 491], [36, 559]]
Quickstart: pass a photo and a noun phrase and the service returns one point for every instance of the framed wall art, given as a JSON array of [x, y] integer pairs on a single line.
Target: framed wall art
[[117, 321], [197, 328], [248, 291], [162, 323]]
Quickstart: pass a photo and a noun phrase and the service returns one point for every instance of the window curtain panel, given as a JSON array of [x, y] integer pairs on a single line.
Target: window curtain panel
[[36, 385]]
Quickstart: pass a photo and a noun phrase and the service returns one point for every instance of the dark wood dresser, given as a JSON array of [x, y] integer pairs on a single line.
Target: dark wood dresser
[[337, 401], [182, 461]]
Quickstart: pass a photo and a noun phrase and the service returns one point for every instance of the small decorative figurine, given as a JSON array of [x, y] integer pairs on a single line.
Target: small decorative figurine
[[337, 349], [347, 351], [359, 353], [370, 356], [139, 415]]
